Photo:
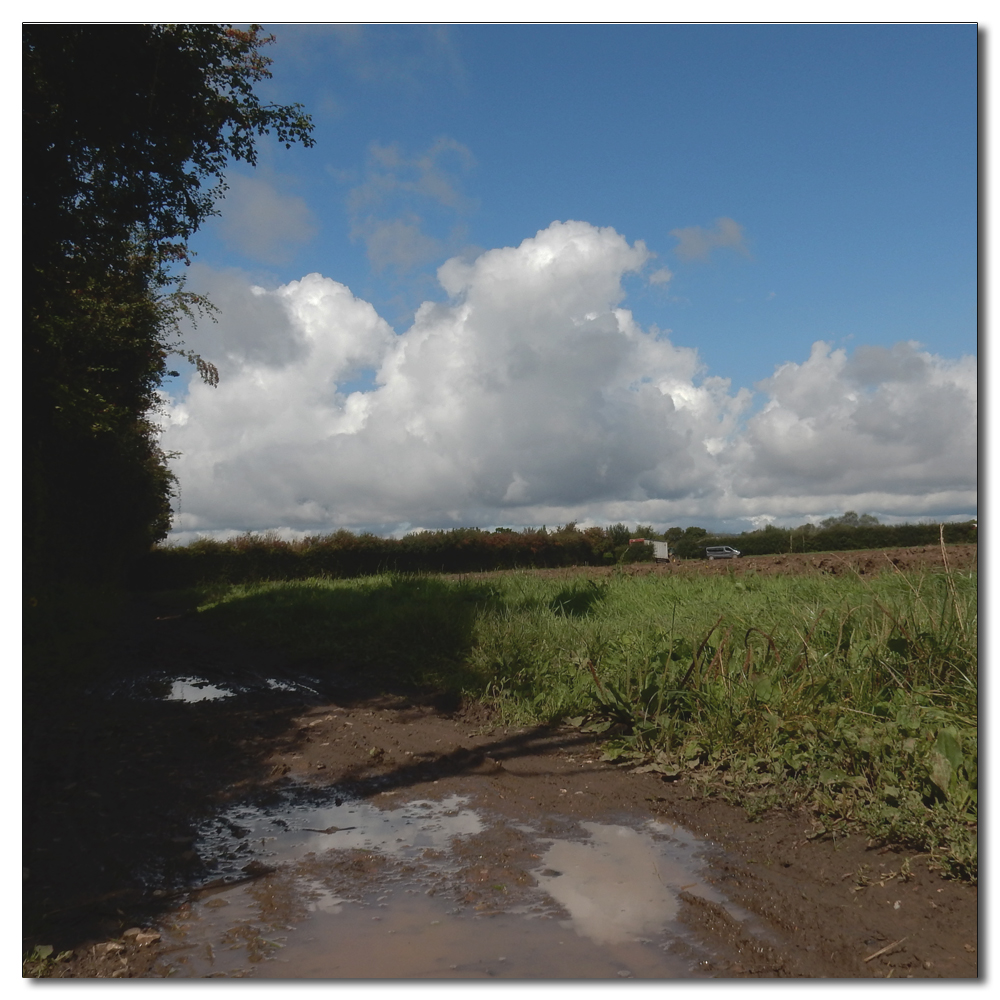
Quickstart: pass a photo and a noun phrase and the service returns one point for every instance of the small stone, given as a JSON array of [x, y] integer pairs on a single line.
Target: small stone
[[131, 932], [146, 937]]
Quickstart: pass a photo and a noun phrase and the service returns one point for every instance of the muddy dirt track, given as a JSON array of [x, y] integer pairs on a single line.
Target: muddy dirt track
[[122, 783]]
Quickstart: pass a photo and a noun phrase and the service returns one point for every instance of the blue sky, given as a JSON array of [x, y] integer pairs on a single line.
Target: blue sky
[[789, 185]]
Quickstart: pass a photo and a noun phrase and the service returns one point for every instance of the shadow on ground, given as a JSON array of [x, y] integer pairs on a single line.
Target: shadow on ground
[[118, 779]]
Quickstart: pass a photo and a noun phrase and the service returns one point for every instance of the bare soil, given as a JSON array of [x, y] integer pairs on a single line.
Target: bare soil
[[116, 784], [865, 562]]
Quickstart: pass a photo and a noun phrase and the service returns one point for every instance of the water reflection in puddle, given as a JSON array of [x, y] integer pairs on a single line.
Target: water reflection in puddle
[[411, 936], [407, 831], [363, 892], [191, 689], [621, 883]]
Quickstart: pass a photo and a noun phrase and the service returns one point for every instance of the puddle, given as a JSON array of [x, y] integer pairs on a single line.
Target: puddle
[[407, 935], [409, 830], [191, 689], [358, 891], [276, 685], [621, 883]]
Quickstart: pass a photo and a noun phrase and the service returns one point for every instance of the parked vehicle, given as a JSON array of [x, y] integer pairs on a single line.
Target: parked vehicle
[[721, 552], [661, 551]]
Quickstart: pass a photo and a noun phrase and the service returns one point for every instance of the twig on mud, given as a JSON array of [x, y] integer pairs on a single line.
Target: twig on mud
[[888, 947]]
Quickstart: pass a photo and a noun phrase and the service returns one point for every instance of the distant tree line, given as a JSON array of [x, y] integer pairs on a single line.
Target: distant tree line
[[255, 557], [849, 531]]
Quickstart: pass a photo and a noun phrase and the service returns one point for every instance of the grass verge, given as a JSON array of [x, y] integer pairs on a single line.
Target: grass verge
[[856, 698]]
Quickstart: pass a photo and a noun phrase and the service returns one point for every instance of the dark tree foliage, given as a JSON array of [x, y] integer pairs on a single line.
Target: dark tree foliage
[[619, 534], [343, 554], [688, 543], [851, 519], [859, 532], [127, 130]]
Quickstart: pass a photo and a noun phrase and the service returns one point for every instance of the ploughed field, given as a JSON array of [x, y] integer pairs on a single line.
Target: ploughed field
[[918, 558], [276, 785]]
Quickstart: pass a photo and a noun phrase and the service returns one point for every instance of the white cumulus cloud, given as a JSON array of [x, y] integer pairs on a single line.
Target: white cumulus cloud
[[531, 396], [899, 421]]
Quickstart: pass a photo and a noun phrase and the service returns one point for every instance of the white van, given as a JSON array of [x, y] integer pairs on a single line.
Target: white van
[[721, 552]]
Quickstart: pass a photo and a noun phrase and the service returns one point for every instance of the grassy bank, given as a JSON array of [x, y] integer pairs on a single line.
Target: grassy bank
[[855, 697]]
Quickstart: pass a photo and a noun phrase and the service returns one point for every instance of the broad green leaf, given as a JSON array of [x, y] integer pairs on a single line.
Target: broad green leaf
[[763, 689], [947, 744], [940, 770], [833, 776], [667, 770], [909, 717]]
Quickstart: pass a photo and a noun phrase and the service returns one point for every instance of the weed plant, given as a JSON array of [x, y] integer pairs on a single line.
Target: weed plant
[[854, 697]]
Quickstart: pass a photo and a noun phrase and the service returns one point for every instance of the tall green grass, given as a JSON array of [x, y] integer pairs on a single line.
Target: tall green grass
[[856, 698]]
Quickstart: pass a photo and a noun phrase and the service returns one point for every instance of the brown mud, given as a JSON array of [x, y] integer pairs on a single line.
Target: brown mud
[[120, 783]]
